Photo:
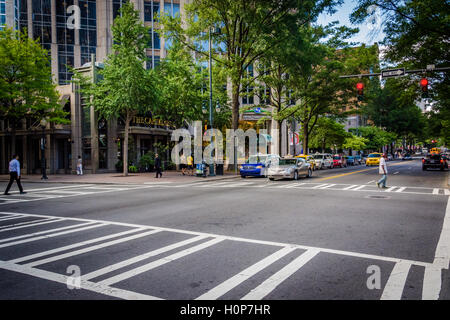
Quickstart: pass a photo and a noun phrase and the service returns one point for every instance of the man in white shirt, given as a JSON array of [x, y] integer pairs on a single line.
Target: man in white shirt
[[382, 169]]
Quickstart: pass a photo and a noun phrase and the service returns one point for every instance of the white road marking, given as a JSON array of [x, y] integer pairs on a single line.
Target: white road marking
[[75, 245], [371, 181], [51, 188], [16, 216], [320, 186], [24, 223], [249, 272], [246, 240], [446, 192], [45, 232], [295, 185], [119, 265], [87, 285], [396, 172], [390, 189], [350, 187], [328, 186], [435, 191], [359, 188], [89, 249], [276, 279], [432, 279], [14, 243], [32, 224], [160, 262], [400, 189], [396, 282]]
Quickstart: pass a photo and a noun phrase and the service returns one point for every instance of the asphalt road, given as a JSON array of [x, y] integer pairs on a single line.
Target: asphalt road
[[333, 236]]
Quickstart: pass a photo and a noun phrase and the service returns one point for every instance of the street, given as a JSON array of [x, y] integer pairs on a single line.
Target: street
[[317, 238]]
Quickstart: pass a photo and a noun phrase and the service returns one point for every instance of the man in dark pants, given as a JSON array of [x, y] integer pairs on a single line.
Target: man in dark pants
[[14, 174], [158, 166]]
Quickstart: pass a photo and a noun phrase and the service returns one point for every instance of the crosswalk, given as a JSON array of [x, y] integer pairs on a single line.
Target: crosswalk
[[75, 190], [125, 260]]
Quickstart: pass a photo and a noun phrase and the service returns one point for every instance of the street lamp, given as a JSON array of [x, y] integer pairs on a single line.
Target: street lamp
[[216, 31], [43, 164]]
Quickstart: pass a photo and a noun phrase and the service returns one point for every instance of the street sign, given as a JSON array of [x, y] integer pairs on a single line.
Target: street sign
[[393, 73]]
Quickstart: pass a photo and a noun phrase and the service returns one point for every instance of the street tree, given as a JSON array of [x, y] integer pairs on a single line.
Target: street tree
[[126, 87], [26, 87], [327, 134], [249, 29], [376, 137]]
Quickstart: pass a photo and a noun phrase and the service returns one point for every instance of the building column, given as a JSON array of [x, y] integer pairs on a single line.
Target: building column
[[75, 124], [76, 47], [54, 45], [94, 139]]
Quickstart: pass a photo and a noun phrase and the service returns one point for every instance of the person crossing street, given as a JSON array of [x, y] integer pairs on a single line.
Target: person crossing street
[[14, 174], [382, 169]]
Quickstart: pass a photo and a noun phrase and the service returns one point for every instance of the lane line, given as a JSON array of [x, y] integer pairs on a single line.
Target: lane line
[[45, 232], [72, 246], [24, 223], [246, 240], [87, 285], [89, 249], [18, 216], [32, 224], [119, 265], [14, 243], [393, 289], [158, 263], [432, 281], [276, 279], [400, 189], [249, 272]]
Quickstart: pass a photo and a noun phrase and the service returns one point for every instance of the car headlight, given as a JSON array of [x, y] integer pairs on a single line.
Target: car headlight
[[259, 167]]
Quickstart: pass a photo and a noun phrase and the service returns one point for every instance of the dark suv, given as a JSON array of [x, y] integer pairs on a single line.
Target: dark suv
[[436, 161]]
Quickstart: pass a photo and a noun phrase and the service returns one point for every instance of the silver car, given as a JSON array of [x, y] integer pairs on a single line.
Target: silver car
[[291, 168], [323, 160]]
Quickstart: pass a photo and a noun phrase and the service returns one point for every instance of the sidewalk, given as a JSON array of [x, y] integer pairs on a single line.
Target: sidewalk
[[117, 178]]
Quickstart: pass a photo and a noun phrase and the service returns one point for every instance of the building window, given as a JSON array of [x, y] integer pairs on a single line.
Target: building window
[[156, 40], [248, 97], [172, 9], [23, 11], [88, 30], [152, 63], [117, 4], [65, 38], [42, 22], [151, 10], [2, 13]]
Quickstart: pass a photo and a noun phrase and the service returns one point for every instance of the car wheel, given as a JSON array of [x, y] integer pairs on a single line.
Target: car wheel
[[309, 173], [424, 168], [243, 177], [322, 167], [295, 175], [271, 179]]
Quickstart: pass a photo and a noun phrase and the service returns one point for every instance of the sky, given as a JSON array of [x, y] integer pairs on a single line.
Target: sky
[[365, 35]]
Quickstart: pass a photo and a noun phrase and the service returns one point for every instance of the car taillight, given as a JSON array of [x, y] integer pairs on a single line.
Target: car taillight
[[442, 161], [423, 160]]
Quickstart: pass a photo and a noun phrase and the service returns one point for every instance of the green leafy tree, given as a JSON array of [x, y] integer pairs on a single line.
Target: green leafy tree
[[355, 143], [328, 133], [249, 29], [126, 88], [376, 137], [26, 87]]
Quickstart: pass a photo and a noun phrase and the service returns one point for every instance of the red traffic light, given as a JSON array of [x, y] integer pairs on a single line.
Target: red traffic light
[[360, 86], [424, 82]]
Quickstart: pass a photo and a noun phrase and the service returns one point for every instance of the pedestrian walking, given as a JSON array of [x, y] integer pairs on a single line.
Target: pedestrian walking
[[382, 169], [79, 166], [158, 166], [190, 164], [183, 164], [14, 174]]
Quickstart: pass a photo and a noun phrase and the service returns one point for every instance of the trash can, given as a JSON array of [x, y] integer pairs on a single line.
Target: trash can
[[199, 169], [219, 169]]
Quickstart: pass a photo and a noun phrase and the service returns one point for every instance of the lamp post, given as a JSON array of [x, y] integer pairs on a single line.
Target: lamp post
[[217, 31], [43, 164]]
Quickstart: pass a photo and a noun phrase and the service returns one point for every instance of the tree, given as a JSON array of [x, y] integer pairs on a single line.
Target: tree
[[328, 133], [376, 137], [250, 28], [355, 143], [126, 88], [26, 87]]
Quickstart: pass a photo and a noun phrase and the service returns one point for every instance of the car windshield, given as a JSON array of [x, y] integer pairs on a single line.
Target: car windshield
[[337, 158], [374, 155], [257, 159], [318, 156], [284, 162]]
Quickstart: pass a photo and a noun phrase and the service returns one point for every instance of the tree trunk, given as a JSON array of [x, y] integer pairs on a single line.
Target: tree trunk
[[280, 140], [13, 139], [305, 139], [235, 105], [125, 145]]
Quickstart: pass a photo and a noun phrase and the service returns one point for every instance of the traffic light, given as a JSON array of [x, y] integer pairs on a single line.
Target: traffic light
[[360, 89], [424, 87]]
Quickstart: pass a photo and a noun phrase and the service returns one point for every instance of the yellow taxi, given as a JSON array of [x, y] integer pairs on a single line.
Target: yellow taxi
[[435, 151], [373, 159], [309, 159]]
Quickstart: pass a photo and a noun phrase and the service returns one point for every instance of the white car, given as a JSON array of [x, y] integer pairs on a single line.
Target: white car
[[323, 160]]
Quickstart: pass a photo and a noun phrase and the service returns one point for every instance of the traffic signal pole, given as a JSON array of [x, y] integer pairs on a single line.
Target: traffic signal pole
[[430, 68]]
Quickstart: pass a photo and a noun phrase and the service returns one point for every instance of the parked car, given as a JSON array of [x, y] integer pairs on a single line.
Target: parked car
[[373, 159], [339, 161], [436, 161], [309, 159], [350, 160], [291, 168], [256, 165], [323, 160], [389, 157]]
